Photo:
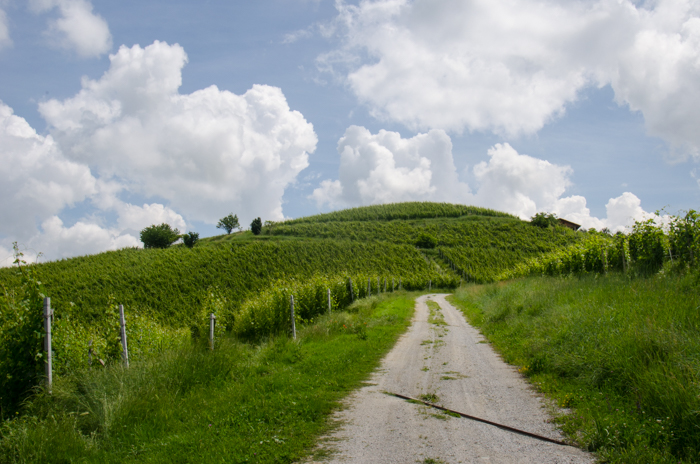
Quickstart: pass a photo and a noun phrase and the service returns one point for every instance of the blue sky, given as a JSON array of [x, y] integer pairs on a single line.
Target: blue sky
[[109, 121]]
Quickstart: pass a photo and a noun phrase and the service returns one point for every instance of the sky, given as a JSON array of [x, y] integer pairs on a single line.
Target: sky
[[118, 115]]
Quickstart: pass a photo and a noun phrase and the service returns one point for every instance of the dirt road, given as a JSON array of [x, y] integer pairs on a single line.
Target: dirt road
[[445, 361]]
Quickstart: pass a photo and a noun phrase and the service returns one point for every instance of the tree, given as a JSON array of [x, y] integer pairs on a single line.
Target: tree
[[228, 223], [159, 236], [256, 226], [544, 220], [190, 239]]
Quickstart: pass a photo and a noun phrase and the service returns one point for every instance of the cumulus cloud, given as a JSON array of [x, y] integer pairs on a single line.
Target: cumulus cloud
[[131, 133], [511, 66], [205, 152], [82, 238], [519, 184], [38, 182], [384, 167], [77, 27], [5, 40]]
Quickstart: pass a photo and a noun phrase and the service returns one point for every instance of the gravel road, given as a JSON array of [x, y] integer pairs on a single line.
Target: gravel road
[[442, 355]]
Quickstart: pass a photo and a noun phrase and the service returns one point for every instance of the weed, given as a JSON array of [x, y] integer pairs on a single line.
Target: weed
[[429, 398]]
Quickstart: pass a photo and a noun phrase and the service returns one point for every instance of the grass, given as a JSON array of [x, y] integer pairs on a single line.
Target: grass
[[242, 403], [622, 353]]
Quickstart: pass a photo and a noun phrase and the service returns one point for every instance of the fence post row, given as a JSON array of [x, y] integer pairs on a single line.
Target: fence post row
[[294, 325], [48, 315], [212, 322], [122, 323], [329, 301]]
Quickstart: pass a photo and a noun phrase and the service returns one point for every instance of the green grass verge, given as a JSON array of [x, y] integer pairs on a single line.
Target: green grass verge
[[241, 403], [623, 354]]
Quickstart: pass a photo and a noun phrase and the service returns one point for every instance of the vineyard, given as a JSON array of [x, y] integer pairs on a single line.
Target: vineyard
[[403, 211], [247, 281]]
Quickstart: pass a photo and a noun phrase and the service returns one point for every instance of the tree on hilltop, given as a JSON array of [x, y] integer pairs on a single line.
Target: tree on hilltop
[[190, 239], [544, 220], [256, 226], [159, 236], [228, 223]]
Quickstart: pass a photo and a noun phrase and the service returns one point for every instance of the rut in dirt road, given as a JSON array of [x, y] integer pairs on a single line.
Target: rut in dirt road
[[443, 360]]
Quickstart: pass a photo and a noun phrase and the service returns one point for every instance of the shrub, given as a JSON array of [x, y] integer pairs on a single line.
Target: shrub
[[544, 220], [161, 236], [190, 239], [228, 223], [256, 226]]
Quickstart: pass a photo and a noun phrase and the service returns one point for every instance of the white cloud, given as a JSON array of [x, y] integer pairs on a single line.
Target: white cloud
[[384, 167], [134, 218], [5, 40], [37, 183], [37, 180], [58, 241], [77, 27], [511, 66], [207, 153], [519, 184], [659, 74]]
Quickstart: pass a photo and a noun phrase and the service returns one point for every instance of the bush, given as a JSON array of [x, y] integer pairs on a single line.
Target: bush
[[190, 239], [544, 220], [426, 241], [256, 226], [161, 236], [228, 223]]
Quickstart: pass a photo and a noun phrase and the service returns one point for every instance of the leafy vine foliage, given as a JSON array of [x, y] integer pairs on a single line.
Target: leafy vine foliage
[[21, 326]]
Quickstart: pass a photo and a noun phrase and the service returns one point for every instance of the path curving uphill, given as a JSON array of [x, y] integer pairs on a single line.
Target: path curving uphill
[[444, 360]]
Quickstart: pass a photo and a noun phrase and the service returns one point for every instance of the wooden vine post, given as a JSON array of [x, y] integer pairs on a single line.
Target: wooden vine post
[[384, 284], [212, 323], [48, 316], [122, 323], [430, 285], [294, 325], [329, 301]]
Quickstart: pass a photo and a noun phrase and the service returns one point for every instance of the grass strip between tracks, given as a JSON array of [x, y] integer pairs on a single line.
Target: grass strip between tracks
[[242, 403]]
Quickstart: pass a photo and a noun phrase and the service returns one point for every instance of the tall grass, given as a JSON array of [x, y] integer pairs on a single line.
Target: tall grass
[[241, 403], [622, 351]]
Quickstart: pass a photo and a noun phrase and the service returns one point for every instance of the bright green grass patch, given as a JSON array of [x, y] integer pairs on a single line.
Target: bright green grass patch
[[623, 353], [241, 403]]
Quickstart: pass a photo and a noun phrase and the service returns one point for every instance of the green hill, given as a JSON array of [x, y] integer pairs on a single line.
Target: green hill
[[247, 280]]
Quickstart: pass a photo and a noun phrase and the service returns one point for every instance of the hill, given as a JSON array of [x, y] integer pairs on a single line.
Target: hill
[[247, 280]]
